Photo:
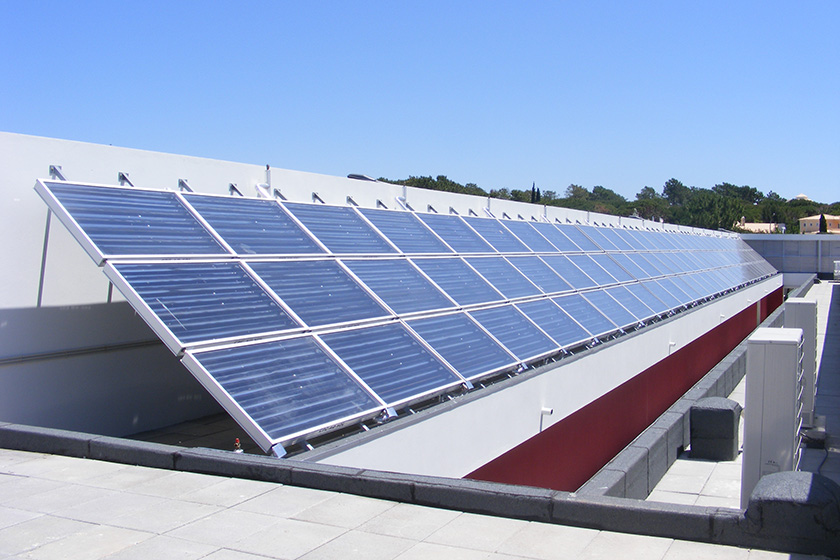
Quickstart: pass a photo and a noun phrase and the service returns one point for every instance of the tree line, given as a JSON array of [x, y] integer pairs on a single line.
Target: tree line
[[719, 207]]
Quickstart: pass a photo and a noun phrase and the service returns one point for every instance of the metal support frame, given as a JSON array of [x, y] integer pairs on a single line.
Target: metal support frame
[[123, 179], [184, 186]]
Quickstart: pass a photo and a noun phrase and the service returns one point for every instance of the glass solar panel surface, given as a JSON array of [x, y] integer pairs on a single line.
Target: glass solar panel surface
[[319, 292], [568, 271], [530, 236], [340, 229], [577, 237], [205, 301], [124, 221], [556, 237], [555, 322], [630, 302], [405, 231], [464, 345], [542, 275], [607, 305], [599, 276], [251, 226], [515, 331], [586, 314], [400, 285], [459, 281], [391, 362], [456, 233], [287, 387], [496, 235], [504, 277]]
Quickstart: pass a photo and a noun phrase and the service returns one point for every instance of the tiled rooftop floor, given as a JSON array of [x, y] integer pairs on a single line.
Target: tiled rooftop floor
[[54, 507]]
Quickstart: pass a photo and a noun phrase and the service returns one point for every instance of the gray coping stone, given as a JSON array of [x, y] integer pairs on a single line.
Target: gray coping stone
[[45, 440], [645, 518], [714, 449], [796, 510], [634, 462], [147, 454], [228, 463], [655, 441], [675, 425], [606, 482], [491, 498]]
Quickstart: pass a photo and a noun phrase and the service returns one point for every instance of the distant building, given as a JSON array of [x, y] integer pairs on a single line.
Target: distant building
[[801, 197], [760, 227], [811, 224]]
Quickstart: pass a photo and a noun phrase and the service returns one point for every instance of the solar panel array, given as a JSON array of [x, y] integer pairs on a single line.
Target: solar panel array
[[304, 318]]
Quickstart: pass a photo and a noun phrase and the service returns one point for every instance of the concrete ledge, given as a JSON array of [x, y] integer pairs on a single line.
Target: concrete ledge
[[239, 465], [674, 521], [490, 498], [143, 453], [45, 440]]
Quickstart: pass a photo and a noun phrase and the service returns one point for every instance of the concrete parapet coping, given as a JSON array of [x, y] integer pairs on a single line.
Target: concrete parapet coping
[[756, 529]]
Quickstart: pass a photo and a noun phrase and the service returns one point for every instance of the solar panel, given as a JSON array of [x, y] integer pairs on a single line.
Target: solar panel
[[286, 388], [319, 292], [251, 226], [568, 271], [196, 301], [592, 269], [586, 314], [577, 237], [648, 298], [399, 285], [612, 235], [542, 275], [515, 331], [504, 277], [456, 233], [463, 344], [631, 303], [607, 305], [392, 363], [596, 235], [109, 221], [459, 281], [405, 231], [608, 263], [496, 235], [557, 237], [555, 322], [341, 230], [529, 235]]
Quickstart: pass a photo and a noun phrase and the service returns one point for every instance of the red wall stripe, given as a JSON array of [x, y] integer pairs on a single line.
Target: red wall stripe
[[566, 455]]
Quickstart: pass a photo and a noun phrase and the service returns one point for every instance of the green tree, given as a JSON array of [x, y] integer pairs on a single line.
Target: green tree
[[823, 224], [675, 192], [711, 210], [747, 194], [649, 205]]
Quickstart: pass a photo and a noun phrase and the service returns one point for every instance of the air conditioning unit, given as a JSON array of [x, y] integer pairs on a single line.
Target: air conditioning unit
[[801, 313], [773, 411]]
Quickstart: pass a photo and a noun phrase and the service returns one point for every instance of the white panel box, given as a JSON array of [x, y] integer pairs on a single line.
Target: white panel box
[[801, 313], [772, 416]]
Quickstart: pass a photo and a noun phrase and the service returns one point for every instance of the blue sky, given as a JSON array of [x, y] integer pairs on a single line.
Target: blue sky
[[502, 94]]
